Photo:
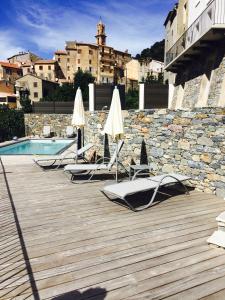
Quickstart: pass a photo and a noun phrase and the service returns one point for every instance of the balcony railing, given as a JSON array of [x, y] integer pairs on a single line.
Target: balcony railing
[[212, 17]]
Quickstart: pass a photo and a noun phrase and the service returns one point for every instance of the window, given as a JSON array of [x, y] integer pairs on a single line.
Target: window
[[90, 69], [89, 61], [79, 51], [68, 60], [35, 84], [68, 68], [9, 71], [35, 95], [185, 14], [49, 67], [78, 61], [78, 68], [28, 70], [68, 77], [68, 52], [40, 67], [59, 59], [90, 52]]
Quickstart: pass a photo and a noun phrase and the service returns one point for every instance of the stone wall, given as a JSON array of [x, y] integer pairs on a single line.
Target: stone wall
[[202, 80], [34, 123], [191, 143]]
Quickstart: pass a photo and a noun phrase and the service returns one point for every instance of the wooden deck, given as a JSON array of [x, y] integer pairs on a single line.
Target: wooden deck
[[64, 241]]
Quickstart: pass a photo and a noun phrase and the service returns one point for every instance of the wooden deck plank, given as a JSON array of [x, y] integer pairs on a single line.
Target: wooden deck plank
[[77, 241]]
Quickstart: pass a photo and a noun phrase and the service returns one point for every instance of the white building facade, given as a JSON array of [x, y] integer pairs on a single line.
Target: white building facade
[[140, 70], [195, 57]]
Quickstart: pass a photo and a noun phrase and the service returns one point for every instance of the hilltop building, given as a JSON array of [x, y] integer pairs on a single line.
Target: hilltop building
[[195, 54], [105, 63]]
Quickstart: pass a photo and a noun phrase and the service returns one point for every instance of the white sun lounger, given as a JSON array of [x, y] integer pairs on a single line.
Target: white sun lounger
[[50, 160], [91, 169], [69, 131], [46, 131], [124, 189]]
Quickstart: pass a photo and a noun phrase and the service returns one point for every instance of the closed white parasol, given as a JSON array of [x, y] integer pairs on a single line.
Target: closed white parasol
[[78, 118], [114, 123]]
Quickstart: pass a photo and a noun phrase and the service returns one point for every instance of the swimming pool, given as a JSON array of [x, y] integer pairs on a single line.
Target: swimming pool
[[29, 147]]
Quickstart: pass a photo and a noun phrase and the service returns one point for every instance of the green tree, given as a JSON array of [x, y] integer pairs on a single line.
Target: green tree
[[132, 99], [82, 79], [156, 52], [161, 77], [63, 93], [150, 78], [25, 102], [67, 91]]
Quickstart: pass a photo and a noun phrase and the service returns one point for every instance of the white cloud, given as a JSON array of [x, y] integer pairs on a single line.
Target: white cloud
[[8, 47], [129, 25]]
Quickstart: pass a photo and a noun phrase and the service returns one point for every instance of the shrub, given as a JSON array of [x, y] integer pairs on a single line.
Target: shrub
[[132, 98], [26, 105], [11, 123]]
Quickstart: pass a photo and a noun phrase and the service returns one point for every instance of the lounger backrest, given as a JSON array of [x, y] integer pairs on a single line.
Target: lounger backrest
[[69, 130], [84, 149], [46, 130], [113, 158]]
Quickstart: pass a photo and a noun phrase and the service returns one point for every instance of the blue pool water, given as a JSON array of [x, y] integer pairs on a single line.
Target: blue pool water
[[45, 147]]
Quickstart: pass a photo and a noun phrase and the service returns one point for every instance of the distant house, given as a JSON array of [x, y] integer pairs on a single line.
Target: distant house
[[9, 71], [7, 94], [37, 87], [47, 69], [195, 54], [139, 70], [23, 58]]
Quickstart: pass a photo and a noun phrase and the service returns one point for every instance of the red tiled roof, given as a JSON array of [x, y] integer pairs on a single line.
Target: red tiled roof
[[26, 65], [44, 61], [60, 52], [9, 65]]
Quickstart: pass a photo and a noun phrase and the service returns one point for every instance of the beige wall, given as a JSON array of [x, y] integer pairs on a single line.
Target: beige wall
[[34, 85], [100, 60], [137, 70], [133, 69], [48, 71], [182, 17], [10, 74]]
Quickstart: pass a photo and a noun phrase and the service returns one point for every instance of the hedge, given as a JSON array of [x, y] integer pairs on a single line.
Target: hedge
[[11, 123]]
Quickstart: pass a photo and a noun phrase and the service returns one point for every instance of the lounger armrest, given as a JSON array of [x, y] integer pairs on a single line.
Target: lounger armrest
[[102, 158], [139, 172]]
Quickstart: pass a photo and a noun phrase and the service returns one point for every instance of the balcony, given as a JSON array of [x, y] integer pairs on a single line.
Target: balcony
[[206, 29]]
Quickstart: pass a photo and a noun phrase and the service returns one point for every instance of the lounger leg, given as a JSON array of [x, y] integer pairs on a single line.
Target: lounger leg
[[43, 167], [127, 203], [84, 181]]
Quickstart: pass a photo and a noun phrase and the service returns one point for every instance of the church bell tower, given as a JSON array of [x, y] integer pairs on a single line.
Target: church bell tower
[[100, 36]]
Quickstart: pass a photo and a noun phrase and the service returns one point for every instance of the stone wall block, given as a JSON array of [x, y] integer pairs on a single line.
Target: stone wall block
[[187, 142]]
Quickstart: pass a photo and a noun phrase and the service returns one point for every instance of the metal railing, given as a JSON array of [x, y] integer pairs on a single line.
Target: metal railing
[[213, 15]]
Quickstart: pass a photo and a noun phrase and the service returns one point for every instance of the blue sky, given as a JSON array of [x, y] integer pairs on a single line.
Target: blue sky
[[43, 26]]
